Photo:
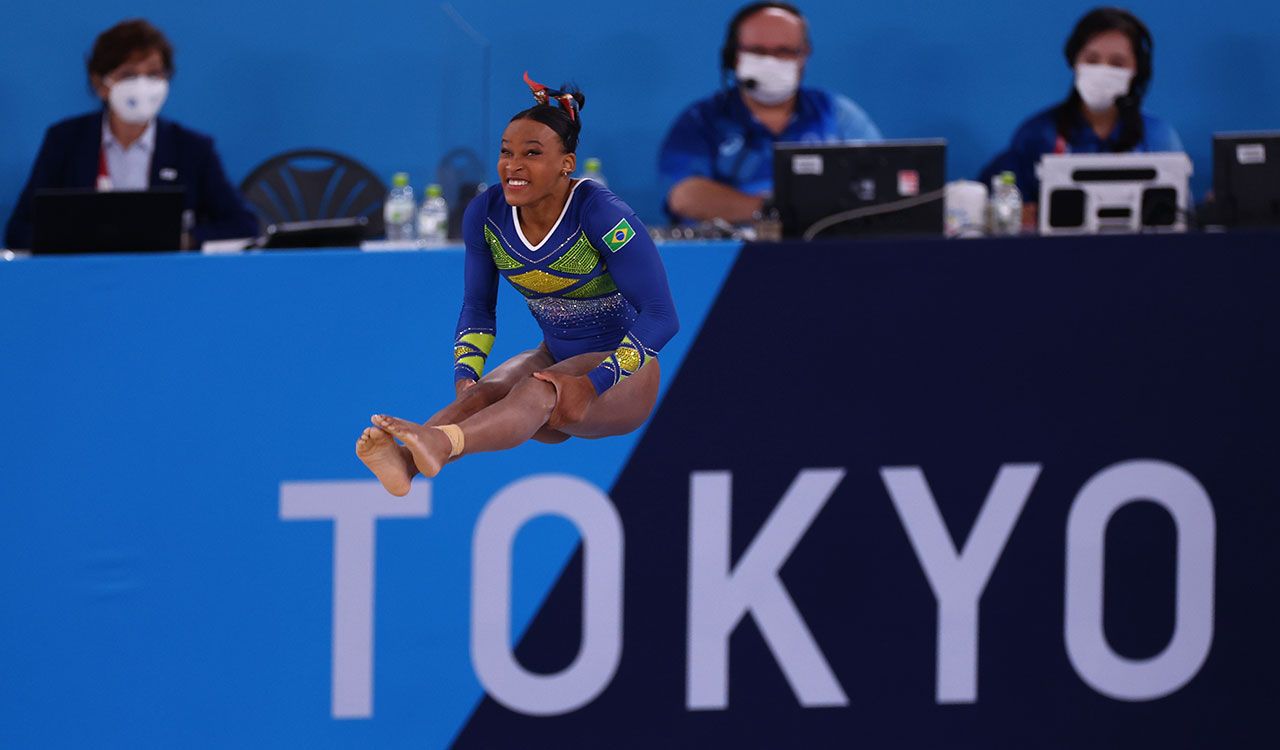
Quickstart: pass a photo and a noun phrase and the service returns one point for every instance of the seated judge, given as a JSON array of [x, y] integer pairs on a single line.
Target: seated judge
[[717, 160], [1110, 55], [124, 145]]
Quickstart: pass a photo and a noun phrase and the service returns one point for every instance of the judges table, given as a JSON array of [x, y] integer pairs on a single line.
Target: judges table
[[982, 493]]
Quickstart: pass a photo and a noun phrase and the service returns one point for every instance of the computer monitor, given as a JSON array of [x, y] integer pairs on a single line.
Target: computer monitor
[[860, 188], [117, 221], [1246, 178]]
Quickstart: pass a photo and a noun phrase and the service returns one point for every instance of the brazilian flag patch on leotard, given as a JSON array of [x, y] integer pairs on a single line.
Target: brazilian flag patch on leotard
[[620, 235]]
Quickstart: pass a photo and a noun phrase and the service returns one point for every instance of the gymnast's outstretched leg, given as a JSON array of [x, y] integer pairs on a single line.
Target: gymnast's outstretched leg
[[523, 414], [505, 424], [394, 465]]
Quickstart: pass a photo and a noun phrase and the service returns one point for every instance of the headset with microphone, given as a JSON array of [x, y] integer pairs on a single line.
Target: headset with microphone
[[729, 51]]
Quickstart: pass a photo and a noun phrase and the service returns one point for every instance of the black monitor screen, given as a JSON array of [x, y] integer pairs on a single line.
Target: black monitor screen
[[1246, 178], [868, 189]]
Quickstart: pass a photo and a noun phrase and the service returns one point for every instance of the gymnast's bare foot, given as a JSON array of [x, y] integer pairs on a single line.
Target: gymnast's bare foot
[[386, 460], [430, 447]]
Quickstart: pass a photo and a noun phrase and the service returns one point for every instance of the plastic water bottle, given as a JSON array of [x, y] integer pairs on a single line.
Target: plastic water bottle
[[593, 172], [1005, 208], [397, 211], [433, 217]]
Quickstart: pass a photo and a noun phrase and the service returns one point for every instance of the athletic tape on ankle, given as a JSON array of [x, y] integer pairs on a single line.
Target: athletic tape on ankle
[[456, 439]]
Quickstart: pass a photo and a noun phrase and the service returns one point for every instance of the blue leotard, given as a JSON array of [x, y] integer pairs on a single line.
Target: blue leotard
[[595, 283]]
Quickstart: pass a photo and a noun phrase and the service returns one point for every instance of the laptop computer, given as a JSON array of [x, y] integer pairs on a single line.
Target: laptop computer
[[1246, 179], [118, 221], [860, 188], [341, 232]]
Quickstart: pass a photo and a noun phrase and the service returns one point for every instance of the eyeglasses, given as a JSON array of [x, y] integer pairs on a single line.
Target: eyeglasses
[[783, 53], [125, 72]]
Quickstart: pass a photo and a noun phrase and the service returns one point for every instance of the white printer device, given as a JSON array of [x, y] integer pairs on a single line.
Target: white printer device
[[1092, 193]]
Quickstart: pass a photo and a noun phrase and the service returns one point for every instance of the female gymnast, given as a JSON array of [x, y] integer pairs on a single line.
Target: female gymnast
[[592, 279]]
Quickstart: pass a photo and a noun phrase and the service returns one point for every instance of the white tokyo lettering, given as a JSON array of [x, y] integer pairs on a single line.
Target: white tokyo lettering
[[1176, 491], [354, 507], [719, 597], [959, 578], [496, 666], [721, 594]]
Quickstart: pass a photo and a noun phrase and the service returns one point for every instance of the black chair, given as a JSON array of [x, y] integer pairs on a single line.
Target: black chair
[[309, 184], [460, 175]]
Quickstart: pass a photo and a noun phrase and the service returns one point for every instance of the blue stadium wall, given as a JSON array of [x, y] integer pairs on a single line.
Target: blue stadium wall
[[973, 494], [399, 84]]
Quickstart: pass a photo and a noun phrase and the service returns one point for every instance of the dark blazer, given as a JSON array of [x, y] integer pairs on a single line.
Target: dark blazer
[[69, 159]]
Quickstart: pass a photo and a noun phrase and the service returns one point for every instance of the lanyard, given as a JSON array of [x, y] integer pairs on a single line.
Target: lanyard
[[104, 174]]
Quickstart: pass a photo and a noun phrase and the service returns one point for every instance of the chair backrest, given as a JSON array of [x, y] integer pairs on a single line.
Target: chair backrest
[[308, 184]]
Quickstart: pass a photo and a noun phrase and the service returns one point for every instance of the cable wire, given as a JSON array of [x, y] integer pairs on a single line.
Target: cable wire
[[826, 223]]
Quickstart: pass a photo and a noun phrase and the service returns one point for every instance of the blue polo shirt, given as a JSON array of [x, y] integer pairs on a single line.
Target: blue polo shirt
[[718, 138], [1039, 136]]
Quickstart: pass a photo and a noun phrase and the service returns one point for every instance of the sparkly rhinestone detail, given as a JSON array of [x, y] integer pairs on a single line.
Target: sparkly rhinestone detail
[[598, 286], [581, 259], [471, 350], [629, 359], [560, 312], [541, 281], [500, 257]]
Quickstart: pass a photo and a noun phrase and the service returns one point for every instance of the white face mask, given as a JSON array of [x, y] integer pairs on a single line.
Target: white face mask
[[138, 99], [768, 80], [1101, 85]]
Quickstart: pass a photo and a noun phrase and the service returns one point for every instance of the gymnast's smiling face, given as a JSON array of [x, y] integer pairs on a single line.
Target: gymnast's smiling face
[[532, 164]]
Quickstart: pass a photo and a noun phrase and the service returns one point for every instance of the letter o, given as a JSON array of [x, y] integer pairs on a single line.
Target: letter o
[[502, 676], [1177, 491]]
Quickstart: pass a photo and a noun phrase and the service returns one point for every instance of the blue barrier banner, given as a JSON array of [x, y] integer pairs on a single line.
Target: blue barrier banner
[[192, 555], [1004, 493]]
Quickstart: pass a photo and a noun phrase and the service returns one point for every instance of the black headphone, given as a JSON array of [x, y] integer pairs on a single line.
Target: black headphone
[[729, 52]]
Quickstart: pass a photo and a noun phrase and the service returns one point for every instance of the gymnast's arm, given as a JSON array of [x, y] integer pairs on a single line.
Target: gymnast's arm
[[638, 271], [477, 323]]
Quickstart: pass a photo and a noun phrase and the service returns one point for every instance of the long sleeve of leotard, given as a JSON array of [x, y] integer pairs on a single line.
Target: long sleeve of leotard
[[636, 268], [477, 324]]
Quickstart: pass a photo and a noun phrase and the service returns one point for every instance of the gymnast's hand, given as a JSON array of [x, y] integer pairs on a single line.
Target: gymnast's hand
[[461, 386], [574, 394]]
